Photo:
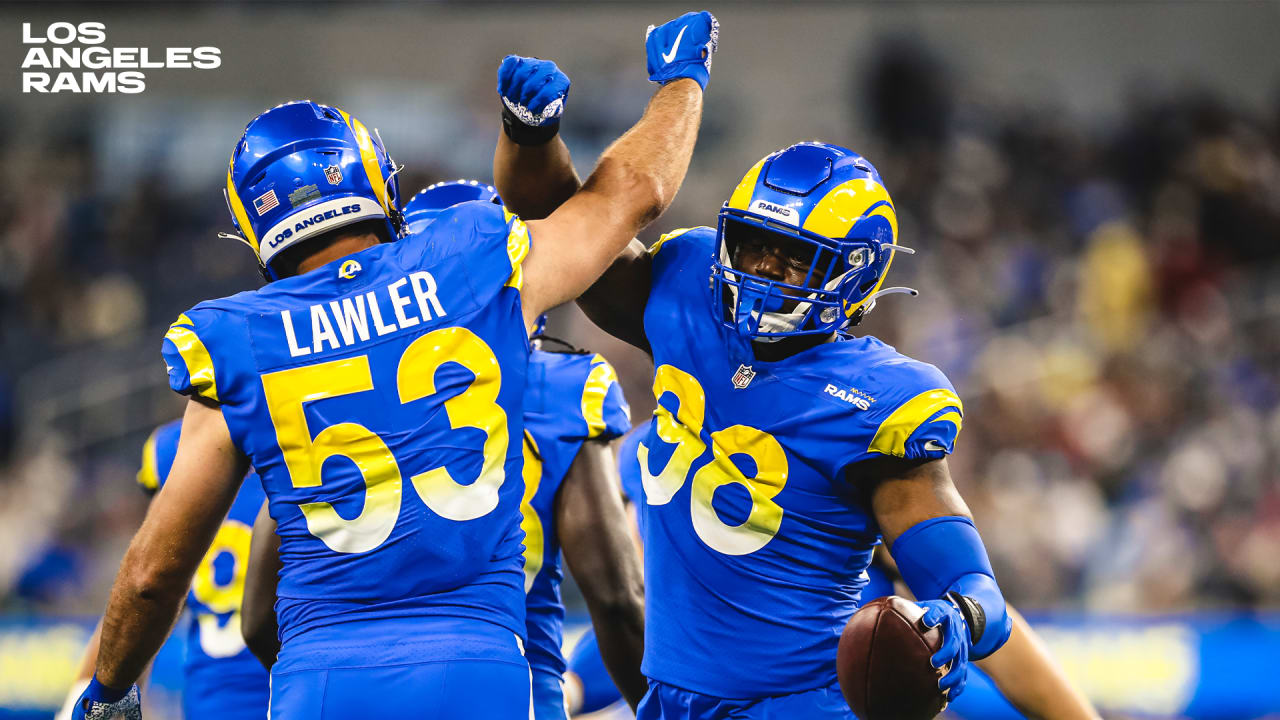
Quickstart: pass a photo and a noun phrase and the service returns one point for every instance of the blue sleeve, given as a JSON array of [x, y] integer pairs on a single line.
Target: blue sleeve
[[488, 241], [943, 555], [922, 417], [158, 454], [187, 357], [604, 408]]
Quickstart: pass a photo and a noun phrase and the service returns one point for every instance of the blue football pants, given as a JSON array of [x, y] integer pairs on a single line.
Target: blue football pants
[[464, 689], [665, 702]]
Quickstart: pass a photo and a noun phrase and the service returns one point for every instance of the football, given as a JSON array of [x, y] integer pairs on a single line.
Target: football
[[883, 662]]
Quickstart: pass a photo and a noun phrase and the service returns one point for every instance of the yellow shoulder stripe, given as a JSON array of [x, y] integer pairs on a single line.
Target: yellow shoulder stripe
[[653, 249], [529, 522], [891, 437], [595, 391], [149, 474], [199, 364], [517, 249]]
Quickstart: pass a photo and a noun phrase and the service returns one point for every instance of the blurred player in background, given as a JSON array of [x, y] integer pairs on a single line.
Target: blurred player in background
[[221, 678], [573, 409], [407, 360], [1022, 672], [782, 449]]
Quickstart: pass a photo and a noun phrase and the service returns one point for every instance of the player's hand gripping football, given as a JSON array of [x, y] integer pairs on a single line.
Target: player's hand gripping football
[[682, 48], [533, 95], [99, 702], [953, 655]]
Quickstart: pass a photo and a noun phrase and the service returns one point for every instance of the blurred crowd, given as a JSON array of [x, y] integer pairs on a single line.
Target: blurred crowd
[[1103, 294]]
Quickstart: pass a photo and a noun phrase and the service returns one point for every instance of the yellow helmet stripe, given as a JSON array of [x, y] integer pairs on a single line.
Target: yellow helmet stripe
[[594, 394], [892, 435], [888, 213], [149, 473], [242, 217], [741, 197], [845, 204], [196, 356], [368, 158]]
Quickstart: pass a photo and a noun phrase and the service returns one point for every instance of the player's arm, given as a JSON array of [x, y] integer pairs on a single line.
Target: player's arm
[[534, 174], [262, 575], [1023, 669], [930, 533], [594, 533], [1027, 675], [531, 166], [157, 568], [635, 179]]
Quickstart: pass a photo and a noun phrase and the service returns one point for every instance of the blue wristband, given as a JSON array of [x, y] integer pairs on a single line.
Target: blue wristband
[[98, 692], [946, 554]]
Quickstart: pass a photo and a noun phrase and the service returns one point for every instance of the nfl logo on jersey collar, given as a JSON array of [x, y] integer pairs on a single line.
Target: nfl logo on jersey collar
[[743, 377]]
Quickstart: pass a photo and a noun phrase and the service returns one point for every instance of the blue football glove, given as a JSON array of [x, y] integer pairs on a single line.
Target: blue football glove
[[682, 48], [533, 95], [955, 645], [99, 702]]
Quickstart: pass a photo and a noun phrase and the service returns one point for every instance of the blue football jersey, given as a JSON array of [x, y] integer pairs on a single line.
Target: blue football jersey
[[221, 677], [570, 398], [379, 397], [629, 471], [755, 537]]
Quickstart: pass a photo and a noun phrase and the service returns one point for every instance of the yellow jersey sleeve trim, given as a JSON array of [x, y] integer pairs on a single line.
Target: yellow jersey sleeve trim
[[517, 250], [196, 356], [594, 393], [892, 435], [149, 474], [653, 249]]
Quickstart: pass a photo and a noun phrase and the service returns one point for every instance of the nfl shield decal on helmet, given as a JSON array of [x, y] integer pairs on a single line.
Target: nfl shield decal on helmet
[[744, 376], [333, 174]]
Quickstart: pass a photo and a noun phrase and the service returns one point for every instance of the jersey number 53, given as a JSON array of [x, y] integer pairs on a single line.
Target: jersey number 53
[[476, 407]]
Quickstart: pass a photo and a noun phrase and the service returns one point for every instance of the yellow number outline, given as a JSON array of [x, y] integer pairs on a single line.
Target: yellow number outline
[[684, 430], [287, 392]]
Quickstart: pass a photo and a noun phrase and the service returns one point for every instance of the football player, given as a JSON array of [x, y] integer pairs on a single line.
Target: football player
[[573, 409], [377, 388], [1022, 672], [783, 449], [221, 678]]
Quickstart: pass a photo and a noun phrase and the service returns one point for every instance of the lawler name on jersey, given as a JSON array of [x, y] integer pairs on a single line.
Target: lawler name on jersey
[[755, 536], [570, 398], [379, 397]]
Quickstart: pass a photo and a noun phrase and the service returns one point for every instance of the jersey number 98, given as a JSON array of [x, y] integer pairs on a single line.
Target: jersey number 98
[[685, 430]]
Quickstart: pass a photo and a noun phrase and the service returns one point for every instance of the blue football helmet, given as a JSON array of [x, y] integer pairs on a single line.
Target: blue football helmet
[[302, 169], [427, 204], [831, 204]]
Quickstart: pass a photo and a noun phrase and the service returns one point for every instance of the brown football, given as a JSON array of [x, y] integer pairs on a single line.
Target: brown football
[[883, 662]]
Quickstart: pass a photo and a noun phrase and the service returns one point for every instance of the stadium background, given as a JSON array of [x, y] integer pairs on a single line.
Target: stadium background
[[1093, 192]]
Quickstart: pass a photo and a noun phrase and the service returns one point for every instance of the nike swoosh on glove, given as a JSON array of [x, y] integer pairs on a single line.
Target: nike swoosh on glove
[[682, 48]]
